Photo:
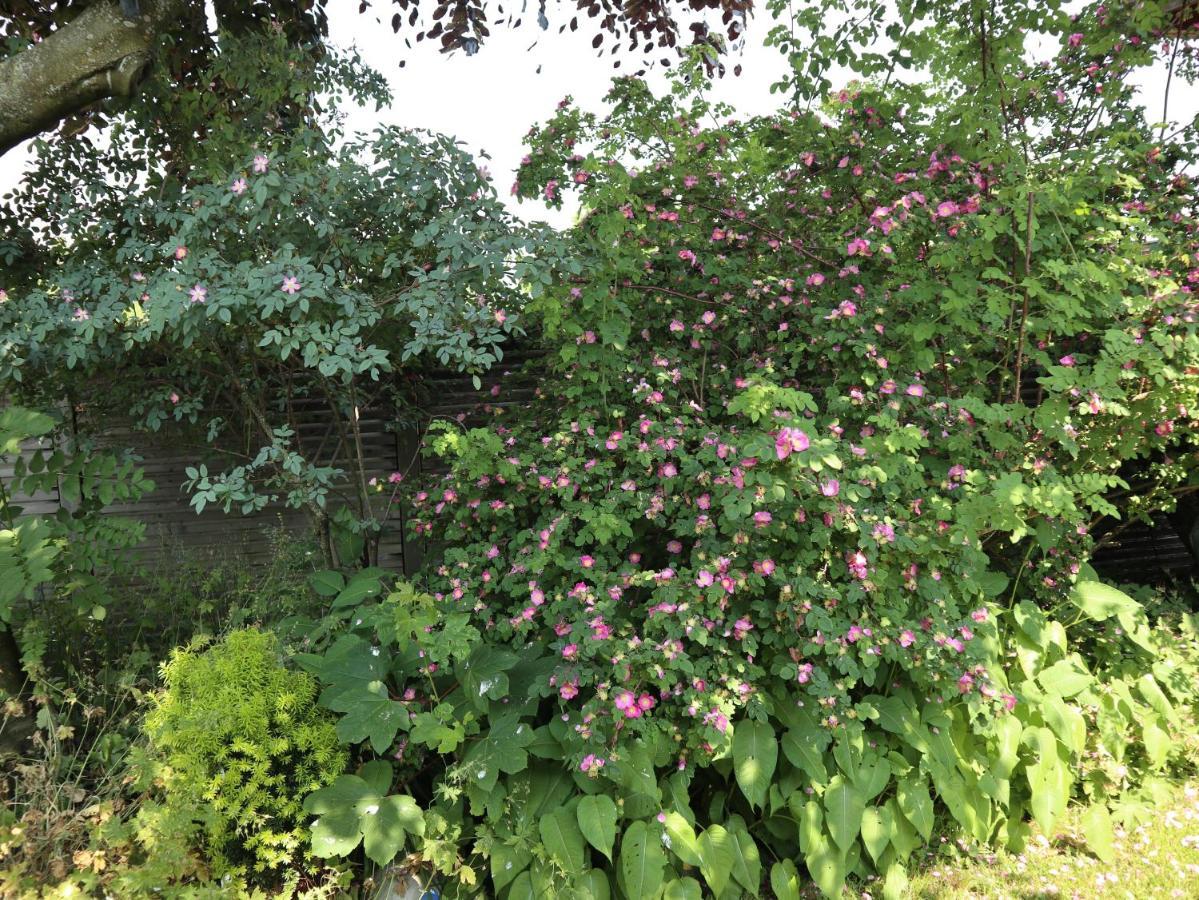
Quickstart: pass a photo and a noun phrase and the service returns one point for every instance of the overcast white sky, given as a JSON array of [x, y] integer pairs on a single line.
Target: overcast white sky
[[491, 99]]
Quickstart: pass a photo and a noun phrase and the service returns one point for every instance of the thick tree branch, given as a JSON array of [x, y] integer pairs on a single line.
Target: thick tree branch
[[99, 54]]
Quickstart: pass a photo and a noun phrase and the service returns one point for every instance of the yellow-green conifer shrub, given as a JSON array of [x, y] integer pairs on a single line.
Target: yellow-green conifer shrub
[[244, 743]]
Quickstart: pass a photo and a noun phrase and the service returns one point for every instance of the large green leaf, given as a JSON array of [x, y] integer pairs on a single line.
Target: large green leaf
[[877, 826], [1066, 677], [641, 861], [755, 754], [916, 804], [386, 826], [784, 880], [1097, 828], [716, 855], [563, 840], [1100, 601], [597, 822], [683, 842], [843, 806]]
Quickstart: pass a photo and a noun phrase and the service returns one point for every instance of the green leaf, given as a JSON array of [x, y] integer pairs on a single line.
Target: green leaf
[[747, 862], [386, 825], [1066, 677], [876, 831], [562, 839], [916, 804], [641, 861], [597, 822], [370, 714], [784, 880], [843, 806], [1097, 828], [1100, 601], [327, 583], [716, 854], [895, 887], [683, 889], [594, 885], [682, 838], [755, 754]]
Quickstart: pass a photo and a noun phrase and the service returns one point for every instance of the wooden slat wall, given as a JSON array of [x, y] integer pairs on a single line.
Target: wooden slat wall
[[173, 529]]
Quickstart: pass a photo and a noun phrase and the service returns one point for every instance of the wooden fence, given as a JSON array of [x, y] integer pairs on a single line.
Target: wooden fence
[[174, 530]]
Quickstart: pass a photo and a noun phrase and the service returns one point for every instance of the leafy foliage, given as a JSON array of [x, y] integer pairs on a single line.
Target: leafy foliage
[[791, 562], [244, 742]]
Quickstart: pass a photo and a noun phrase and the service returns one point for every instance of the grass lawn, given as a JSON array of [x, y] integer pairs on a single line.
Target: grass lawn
[[1159, 859]]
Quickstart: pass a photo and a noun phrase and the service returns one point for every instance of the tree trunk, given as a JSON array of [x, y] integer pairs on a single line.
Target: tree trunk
[[99, 54], [14, 729]]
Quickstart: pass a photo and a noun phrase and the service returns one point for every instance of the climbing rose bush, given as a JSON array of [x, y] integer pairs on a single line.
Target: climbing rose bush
[[790, 565]]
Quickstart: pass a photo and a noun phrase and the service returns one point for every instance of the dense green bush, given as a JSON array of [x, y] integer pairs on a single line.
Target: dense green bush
[[244, 743], [789, 568]]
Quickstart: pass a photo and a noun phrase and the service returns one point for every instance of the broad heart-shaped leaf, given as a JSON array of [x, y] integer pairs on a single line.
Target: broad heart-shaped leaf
[[916, 804], [803, 751], [876, 831], [784, 880], [1100, 601], [370, 713], [386, 825], [327, 583], [1048, 779], [562, 839], [641, 861], [683, 889], [1097, 827], [843, 806], [827, 865], [366, 583], [747, 862], [1066, 677], [716, 853], [594, 885], [755, 754], [597, 822], [681, 835]]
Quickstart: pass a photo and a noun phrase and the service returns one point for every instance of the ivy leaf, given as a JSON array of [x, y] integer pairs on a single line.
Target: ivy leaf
[[597, 821], [755, 754]]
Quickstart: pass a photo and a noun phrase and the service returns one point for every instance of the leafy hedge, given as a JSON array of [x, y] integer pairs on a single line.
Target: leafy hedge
[[788, 570]]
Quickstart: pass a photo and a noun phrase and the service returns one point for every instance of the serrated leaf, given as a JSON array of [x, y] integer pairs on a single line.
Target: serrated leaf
[[385, 827]]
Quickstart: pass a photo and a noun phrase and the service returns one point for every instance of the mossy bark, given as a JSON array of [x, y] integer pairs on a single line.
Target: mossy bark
[[99, 54]]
